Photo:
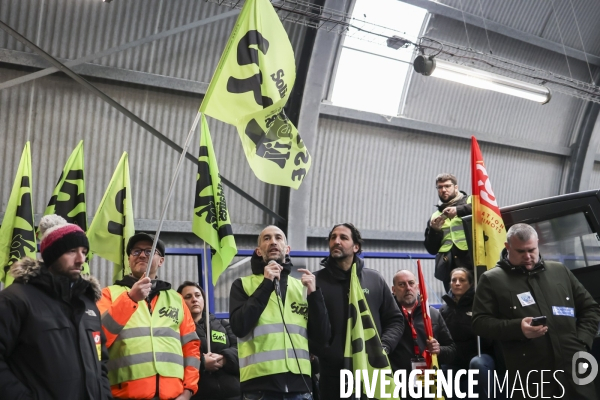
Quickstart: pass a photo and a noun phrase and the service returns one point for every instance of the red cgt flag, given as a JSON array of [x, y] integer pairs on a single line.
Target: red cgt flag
[[430, 359], [426, 315], [489, 233]]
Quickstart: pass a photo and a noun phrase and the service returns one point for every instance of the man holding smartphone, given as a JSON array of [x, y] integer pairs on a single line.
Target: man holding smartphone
[[445, 235], [520, 289]]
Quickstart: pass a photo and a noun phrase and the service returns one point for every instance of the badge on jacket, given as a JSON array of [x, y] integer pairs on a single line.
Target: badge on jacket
[[526, 299], [97, 342], [218, 337], [563, 311]]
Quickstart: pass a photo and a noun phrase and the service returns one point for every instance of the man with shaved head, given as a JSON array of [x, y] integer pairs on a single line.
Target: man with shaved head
[[273, 314], [414, 340]]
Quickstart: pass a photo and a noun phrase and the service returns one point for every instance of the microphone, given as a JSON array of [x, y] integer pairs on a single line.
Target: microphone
[[276, 283], [276, 280]]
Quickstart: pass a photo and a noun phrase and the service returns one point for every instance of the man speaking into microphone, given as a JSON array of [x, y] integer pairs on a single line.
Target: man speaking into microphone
[[273, 325]]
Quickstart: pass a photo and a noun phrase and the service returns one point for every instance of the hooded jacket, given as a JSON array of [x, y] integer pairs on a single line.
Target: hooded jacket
[[498, 312], [335, 284], [458, 319], [245, 311], [51, 340]]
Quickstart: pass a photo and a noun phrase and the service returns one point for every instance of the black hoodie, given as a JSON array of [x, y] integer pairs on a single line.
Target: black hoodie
[[335, 284], [47, 330], [245, 311]]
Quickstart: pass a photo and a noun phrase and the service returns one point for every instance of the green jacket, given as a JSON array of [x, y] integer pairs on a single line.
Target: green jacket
[[497, 314]]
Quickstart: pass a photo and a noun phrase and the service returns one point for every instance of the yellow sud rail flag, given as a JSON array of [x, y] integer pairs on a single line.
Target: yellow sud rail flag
[[68, 197], [489, 233], [17, 233], [249, 89], [112, 225], [211, 218], [363, 350]]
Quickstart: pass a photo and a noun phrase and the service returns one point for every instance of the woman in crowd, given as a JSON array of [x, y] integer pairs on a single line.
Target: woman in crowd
[[457, 315], [219, 369]]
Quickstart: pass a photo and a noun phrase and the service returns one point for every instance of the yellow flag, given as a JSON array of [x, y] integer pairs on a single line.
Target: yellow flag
[[249, 89], [17, 233], [211, 218], [363, 349], [112, 225], [68, 197], [489, 232]]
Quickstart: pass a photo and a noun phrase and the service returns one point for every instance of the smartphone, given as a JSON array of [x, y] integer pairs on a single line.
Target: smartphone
[[537, 321]]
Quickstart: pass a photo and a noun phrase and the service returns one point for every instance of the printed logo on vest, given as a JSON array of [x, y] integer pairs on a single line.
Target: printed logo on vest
[[218, 337], [300, 309], [170, 312]]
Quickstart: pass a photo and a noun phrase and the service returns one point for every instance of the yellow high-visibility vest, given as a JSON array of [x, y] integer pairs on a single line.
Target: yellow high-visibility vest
[[453, 231], [148, 344], [267, 349]]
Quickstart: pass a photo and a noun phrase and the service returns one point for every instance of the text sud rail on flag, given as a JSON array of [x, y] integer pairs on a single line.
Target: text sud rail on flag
[[211, 218], [17, 233], [489, 232], [249, 89], [68, 197]]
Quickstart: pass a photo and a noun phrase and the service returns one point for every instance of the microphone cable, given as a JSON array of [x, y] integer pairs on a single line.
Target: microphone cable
[[280, 304]]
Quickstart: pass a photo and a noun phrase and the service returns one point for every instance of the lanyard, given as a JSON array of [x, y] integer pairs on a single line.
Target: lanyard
[[409, 318]]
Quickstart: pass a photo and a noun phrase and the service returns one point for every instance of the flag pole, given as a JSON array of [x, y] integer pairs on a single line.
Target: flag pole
[[171, 190], [206, 300]]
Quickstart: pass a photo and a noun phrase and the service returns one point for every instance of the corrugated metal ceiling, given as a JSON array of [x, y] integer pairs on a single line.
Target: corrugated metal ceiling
[[545, 18]]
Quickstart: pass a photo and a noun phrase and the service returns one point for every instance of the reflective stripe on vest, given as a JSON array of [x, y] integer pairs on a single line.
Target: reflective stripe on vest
[[267, 349], [453, 231], [148, 345]]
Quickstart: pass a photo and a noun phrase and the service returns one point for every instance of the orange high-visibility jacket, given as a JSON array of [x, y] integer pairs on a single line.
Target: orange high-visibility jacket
[[120, 311]]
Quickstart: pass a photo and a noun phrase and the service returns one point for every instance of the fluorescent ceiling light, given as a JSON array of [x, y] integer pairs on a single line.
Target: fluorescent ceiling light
[[481, 79]]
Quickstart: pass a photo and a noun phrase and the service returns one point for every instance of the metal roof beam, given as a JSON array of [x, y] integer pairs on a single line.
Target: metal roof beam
[[430, 128], [21, 58], [124, 46], [119, 107], [493, 26]]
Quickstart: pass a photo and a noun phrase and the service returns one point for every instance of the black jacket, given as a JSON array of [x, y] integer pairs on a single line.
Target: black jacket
[[224, 382], [47, 330], [458, 318], [244, 312], [446, 262], [400, 357], [335, 284]]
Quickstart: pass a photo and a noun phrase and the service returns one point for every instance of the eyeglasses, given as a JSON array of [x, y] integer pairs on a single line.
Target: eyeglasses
[[147, 252], [441, 187]]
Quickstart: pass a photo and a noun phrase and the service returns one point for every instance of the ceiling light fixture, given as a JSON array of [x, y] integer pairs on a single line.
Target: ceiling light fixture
[[429, 66]]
